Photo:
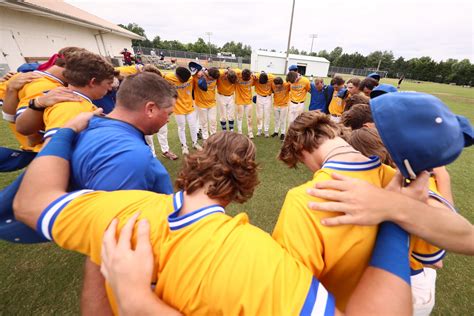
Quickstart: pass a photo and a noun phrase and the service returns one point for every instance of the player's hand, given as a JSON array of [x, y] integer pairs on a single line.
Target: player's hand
[[7, 76], [57, 95], [81, 121], [19, 81], [418, 188], [360, 202], [127, 270]]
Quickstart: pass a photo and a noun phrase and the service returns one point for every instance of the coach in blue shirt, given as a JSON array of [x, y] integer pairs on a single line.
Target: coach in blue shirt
[[321, 95]]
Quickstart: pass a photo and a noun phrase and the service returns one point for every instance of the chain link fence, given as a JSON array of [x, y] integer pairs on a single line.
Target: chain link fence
[[354, 71]]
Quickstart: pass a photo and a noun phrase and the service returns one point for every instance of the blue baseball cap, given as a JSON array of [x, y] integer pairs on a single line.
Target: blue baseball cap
[[419, 131], [382, 89], [202, 84], [27, 67], [293, 68], [194, 67], [374, 75], [342, 93]]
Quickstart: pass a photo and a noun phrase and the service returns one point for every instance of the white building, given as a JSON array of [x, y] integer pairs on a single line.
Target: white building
[[273, 62], [33, 30]]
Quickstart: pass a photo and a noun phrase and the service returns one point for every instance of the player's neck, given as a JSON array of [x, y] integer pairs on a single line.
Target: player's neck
[[338, 149], [84, 90], [56, 71], [118, 113], [197, 200]]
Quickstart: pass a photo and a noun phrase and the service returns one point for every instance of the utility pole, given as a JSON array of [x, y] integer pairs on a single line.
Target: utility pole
[[312, 36], [289, 38], [209, 43]]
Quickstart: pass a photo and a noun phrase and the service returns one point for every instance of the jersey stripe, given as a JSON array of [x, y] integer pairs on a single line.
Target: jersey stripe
[[47, 74], [373, 163], [46, 220], [176, 222], [429, 258], [318, 301], [50, 132], [442, 200]]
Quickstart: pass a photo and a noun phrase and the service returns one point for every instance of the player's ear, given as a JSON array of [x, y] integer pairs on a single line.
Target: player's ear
[[150, 109], [92, 82]]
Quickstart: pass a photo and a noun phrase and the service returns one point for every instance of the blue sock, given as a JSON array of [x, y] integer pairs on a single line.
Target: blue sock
[[60, 144], [224, 125], [391, 251], [231, 125]]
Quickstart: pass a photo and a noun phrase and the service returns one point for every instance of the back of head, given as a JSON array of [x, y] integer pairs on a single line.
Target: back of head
[[355, 99], [357, 116], [138, 89], [291, 76], [214, 73], [246, 74], [278, 81], [183, 74], [231, 76], [307, 132], [65, 53], [419, 131], [153, 69], [368, 142], [369, 83], [338, 81], [226, 165], [355, 81], [263, 78], [83, 65]]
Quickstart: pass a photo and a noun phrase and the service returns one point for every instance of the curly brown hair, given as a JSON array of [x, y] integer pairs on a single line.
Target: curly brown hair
[[226, 166], [82, 66], [65, 53], [355, 99], [307, 132], [357, 116]]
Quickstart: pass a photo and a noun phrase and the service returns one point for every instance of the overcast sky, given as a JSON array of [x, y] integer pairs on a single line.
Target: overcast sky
[[440, 29]]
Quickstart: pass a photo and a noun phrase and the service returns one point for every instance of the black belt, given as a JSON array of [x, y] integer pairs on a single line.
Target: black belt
[[264, 96], [296, 102], [226, 95]]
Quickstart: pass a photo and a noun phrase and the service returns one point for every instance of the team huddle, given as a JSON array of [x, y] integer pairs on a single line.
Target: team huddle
[[91, 177]]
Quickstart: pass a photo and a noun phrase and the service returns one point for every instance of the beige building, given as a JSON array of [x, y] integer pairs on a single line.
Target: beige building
[[33, 30]]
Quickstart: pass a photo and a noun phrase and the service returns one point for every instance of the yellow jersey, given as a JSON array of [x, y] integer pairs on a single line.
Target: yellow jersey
[[128, 70], [206, 262], [337, 256], [337, 104], [299, 89], [3, 91], [205, 99], [224, 86], [30, 91], [243, 89], [184, 103], [264, 89], [281, 94], [54, 117]]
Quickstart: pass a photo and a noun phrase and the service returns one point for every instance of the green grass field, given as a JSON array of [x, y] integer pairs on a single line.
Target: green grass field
[[45, 280]]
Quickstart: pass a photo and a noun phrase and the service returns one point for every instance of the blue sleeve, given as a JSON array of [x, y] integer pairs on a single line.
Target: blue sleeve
[[313, 87], [117, 174]]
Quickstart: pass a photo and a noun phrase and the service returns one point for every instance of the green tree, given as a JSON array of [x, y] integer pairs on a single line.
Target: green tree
[[335, 53], [137, 29]]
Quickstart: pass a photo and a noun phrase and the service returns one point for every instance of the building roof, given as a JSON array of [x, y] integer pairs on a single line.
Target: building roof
[[291, 56], [62, 11]]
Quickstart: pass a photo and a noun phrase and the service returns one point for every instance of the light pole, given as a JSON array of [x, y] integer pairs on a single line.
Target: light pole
[[209, 43], [312, 36], [289, 38]]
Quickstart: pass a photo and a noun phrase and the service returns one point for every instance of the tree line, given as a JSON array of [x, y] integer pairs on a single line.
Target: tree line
[[460, 72]]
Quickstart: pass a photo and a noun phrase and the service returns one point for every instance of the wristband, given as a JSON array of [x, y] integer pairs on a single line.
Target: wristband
[[60, 144], [391, 251], [9, 117], [33, 106]]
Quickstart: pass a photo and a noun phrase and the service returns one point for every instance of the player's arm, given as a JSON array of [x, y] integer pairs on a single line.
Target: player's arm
[[443, 183], [384, 288], [30, 119], [47, 176], [131, 285], [366, 204]]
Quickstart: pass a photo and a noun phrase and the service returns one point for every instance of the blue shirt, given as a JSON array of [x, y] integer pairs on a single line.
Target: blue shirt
[[107, 103], [318, 98], [113, 155]]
